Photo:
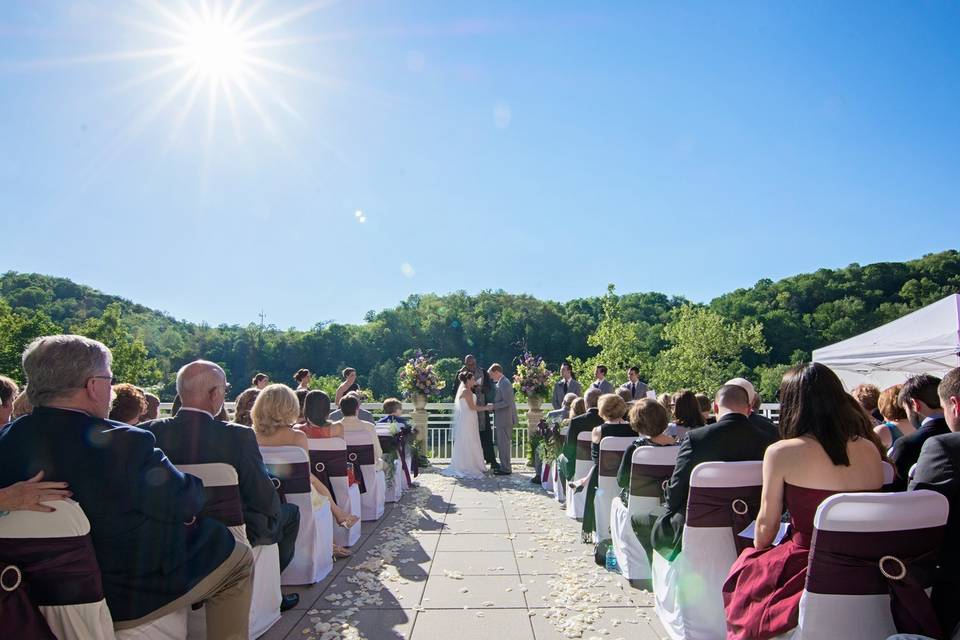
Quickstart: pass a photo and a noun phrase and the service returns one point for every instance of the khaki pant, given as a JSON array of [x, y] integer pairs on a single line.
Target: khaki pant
[[226, 592]]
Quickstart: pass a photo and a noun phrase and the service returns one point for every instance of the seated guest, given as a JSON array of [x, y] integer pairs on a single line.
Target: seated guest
[[259, 381], [153, 407], [561, 414], [273, 414], [303, 378], [686, 414], [577, 408], [363, 414], [136, 501], [755, 416], [626, 397], [316, 412], [705, 408], [128, 404], [349, 384], [565, 385], [828, 447], [21, 405], [244, 405], [601, 383], [919, 398], [896, 423], [648, 419], [29, 495], [732, 438], [938, 469], [666, 401], [612, 409], [637, 388], [195, 436], [8, 392], [393, 414], [867, 396], [567, 460], [349, 406]]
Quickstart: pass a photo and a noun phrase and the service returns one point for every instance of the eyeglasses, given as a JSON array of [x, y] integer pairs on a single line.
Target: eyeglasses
[[112, 379]]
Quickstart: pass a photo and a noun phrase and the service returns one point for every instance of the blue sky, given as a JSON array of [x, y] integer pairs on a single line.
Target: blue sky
[[539, 147]]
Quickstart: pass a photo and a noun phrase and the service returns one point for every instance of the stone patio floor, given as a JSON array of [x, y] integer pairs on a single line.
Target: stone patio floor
[[470, 560]]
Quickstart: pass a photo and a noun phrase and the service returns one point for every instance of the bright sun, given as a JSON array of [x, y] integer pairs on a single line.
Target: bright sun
[[215, 48]]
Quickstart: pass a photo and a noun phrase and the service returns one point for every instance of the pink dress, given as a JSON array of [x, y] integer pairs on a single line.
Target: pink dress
[[762, 593]]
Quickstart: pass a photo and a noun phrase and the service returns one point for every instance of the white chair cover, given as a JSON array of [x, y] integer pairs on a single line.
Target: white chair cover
[[348, 496], [313, 557], [265, 605], [687, 591], [575, 500], [611, 453], [849, 613], [371, 502], [396, 485], [889, 473], [651, 470], [559, 487], [88, 620], [546, 475]]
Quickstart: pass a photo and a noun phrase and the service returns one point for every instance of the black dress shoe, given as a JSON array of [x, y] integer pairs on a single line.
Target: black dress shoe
[[501, 472], [289, 602]]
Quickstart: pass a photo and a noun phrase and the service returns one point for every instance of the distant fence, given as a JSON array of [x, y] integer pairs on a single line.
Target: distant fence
[[440, 414]]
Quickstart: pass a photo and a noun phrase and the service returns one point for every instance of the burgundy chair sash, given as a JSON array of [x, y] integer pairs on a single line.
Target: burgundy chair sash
[[361, 455], [326, 464], [224, 505], [609, 462], [899, 563], [291, 477], [648, 480], [402, 452], [19, 616], [583, 450], [734, 507]]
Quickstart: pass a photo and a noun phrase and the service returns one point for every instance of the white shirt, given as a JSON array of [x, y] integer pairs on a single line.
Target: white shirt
[[212, 417]]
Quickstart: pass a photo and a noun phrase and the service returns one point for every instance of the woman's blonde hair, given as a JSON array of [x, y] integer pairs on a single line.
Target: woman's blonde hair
[[611, 407], [276, 407]]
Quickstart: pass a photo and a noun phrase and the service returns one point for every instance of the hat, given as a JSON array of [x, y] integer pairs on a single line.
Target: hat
[[746, 385]]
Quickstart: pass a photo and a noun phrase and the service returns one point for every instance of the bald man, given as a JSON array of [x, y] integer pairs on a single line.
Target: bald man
[[732, 438], [195, 436]]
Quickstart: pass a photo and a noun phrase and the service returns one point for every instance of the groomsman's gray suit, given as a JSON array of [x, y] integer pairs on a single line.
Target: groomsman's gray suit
[[604, 386], [637, 390], [559, 391], [504, 419]]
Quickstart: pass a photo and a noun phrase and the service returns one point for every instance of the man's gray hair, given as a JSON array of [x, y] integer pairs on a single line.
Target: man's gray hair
[[57, 364], [591, 397], [203, 376]]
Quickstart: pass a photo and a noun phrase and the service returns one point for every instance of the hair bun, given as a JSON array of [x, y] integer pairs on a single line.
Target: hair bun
[[464, 376]]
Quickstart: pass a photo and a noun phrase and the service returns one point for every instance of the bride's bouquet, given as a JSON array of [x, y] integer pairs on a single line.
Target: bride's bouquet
[[532, 379], [418, 377]]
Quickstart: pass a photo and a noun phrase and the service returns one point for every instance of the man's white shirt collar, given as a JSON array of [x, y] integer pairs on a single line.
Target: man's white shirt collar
[[212, 417]]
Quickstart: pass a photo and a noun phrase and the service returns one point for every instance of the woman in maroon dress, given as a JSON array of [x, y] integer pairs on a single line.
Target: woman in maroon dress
[[828, 447]]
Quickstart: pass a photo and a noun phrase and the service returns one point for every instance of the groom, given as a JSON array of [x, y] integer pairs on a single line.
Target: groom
[[504, 416]]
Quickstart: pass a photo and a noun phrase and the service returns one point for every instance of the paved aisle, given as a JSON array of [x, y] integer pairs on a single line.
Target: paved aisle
[[471, 561]]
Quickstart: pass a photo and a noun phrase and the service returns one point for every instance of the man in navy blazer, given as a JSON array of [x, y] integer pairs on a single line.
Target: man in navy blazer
[[155, 555], [194, 436], [919, 397]]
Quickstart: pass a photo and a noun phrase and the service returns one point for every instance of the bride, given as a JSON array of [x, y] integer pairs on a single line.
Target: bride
[[467, 460]]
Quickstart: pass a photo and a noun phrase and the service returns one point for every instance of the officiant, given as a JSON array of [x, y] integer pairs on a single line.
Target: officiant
[[484, 392]]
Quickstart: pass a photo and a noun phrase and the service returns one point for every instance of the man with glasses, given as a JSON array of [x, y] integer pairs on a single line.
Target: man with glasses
[[156, 555]]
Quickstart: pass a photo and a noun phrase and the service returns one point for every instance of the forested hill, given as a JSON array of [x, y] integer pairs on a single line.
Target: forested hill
[[752, 331]]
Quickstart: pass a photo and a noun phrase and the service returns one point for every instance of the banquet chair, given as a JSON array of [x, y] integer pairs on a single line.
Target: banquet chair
[[608, 491], [889, 473], [373, 484], [328, 462], [546, 474], [873, 555], [559, 482], [220, 483], [394, 485], [724, 499], [289, 468], [575, 499], [650, 471]]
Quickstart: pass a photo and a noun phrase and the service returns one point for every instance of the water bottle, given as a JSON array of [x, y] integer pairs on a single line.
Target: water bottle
[[612, 560]]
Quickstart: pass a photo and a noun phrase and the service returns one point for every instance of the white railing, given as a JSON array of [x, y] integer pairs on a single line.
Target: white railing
[[439, 415]]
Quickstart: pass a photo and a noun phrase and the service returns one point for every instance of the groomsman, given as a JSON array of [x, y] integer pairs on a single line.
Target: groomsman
[[566, 384], [637, 388], [601, 382]]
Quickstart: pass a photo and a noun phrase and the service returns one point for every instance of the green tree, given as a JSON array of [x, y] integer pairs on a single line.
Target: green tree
[[131, 361], [619, 343], [17, 329]]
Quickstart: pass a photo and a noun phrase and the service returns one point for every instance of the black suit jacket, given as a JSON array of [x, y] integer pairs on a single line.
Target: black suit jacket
[[762, 421], [193, 437], [584, 422], [732, 438], [906, 450], [135, 499]]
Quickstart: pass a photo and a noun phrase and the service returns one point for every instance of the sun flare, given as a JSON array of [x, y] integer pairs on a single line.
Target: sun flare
[[215, 49]]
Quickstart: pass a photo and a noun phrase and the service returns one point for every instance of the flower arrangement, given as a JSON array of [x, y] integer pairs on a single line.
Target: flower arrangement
[[532, 379], [418, 377], [549, 441]]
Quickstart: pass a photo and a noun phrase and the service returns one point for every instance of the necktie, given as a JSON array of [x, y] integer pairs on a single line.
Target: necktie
[[564, 387], [633, 389]]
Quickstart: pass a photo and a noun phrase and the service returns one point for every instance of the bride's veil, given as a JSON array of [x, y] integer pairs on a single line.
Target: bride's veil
[[455, 422]]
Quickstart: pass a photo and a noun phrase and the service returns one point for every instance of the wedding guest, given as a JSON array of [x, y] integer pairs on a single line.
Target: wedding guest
[[274, 413], [195, 436], [637, 388], [567, 460], [828, 447], [896, 422], [128, 404], [648, 419], [21, 405], [559, 415], [612, 409], [150, 563], [918, 397], [600, 382], [8, 393], [244, 405], [316, 412], [337, 414], [153, 407], [29, 495], [867, 395], [756, 418], [175, 405], [350, 422], [301, 395], [686, 414], [349, 384], [577, 408], [303, 378], [732, 438], [705, 408], [666, 401], [627, 400], [259, 381], [938, 469], [393, 413], [565, 385]]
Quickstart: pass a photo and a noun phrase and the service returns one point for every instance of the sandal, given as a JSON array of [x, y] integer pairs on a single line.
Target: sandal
[[340, 552]]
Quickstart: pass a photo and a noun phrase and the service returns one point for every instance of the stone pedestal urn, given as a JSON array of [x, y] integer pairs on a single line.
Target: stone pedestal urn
[[534, 413], [420, 419]]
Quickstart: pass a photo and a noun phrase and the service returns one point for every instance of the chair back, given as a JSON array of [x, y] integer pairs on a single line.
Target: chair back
[[328, 462], [361, 454], [221, 486], [584, 459], [650, 472], [49, 576], [611, 454], [872, 557], [889, 473]]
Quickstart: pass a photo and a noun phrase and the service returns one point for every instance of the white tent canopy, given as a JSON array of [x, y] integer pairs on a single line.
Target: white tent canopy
[[925, 341]]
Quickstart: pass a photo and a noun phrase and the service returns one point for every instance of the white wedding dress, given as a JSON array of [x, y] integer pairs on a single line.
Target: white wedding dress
[[467, 459]]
